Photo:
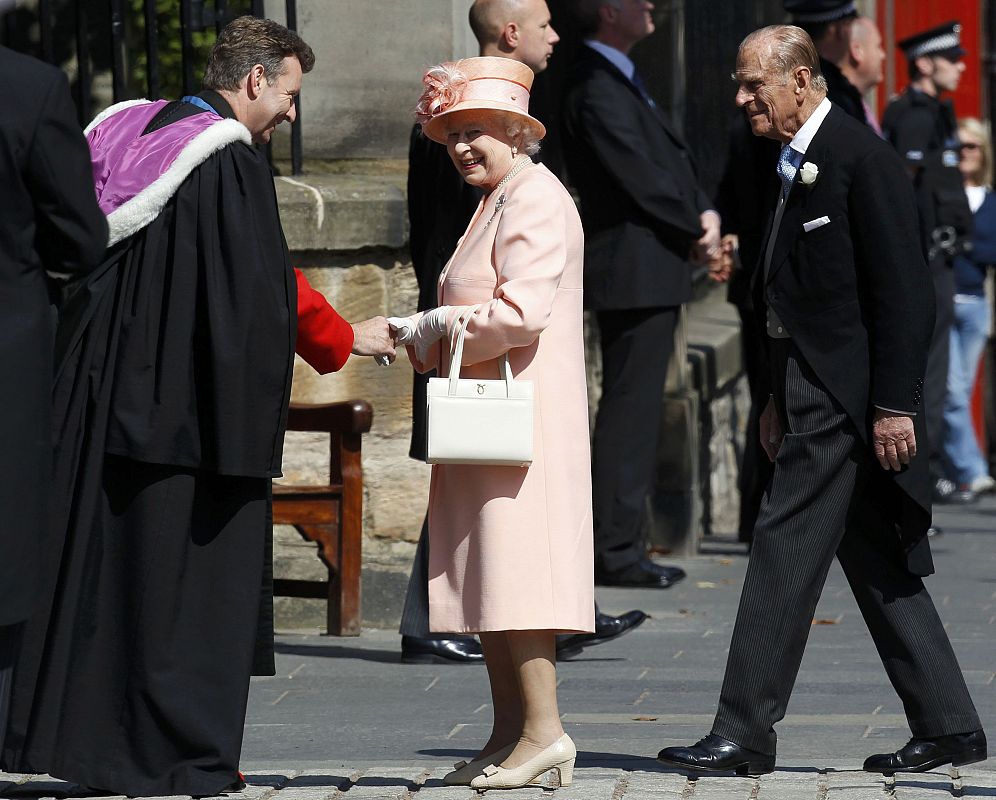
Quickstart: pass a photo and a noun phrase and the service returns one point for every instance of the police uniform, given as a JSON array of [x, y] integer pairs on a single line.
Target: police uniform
[[924, 131]]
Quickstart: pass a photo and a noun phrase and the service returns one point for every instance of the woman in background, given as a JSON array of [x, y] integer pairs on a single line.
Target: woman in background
[[965, 463]]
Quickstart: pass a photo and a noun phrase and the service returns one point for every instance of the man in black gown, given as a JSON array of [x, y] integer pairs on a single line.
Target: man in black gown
[[174, 365]]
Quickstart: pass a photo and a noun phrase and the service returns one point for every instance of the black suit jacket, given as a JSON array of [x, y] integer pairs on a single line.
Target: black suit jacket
[[856, 294], [50, 221], [640, 197], [750, 169]]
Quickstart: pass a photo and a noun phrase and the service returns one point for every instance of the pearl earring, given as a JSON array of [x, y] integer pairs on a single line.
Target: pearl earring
[[515, 151]]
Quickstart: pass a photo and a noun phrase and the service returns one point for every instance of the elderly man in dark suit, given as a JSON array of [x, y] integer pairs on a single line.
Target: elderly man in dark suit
[[51, 223], [644, 217], [848, 310], [851, 59]]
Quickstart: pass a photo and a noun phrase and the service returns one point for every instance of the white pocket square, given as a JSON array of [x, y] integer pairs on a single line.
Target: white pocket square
[[813, 224]]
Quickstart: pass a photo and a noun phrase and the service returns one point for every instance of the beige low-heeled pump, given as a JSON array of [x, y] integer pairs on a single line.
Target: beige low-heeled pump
[[560, 756], [465, 771]]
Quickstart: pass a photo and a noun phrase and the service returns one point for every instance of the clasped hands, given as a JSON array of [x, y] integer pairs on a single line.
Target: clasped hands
[[713, 249], [893, 437], [379, 336]]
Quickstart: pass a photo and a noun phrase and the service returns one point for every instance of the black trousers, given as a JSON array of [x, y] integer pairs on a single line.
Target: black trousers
[[829, 497], [935, 382], [10, 641], [636, 349]]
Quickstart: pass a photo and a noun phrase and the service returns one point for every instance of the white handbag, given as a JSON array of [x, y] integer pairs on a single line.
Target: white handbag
[[472, 421]]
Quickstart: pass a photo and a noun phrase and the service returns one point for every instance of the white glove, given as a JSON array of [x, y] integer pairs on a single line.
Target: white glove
[[403, 329], [421, 333]]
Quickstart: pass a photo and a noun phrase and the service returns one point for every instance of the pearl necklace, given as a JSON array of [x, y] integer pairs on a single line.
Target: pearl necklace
[[517, 167]]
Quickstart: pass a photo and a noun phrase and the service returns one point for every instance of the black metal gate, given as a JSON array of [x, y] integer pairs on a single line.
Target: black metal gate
[[127, 40]]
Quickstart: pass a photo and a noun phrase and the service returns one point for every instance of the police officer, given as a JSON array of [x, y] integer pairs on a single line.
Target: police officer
[[922, 127]]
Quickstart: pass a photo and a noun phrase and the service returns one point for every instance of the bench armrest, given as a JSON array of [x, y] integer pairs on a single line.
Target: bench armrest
[[350, 416]]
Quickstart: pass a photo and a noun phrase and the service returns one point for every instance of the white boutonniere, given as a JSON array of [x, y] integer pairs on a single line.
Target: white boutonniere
[[809, 173]]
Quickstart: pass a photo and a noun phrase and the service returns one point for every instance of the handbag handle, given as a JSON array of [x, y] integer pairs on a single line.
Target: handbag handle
[[456, 357]]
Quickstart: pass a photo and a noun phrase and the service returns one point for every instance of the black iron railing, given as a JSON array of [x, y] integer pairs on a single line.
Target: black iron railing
[[102, 34]]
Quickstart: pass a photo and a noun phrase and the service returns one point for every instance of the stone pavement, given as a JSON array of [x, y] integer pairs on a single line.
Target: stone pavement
[[343, 719]]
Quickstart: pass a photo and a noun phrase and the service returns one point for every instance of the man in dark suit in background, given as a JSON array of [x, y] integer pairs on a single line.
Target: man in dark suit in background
[[440, 205], [848, 314], [51, 223], [644, 217]]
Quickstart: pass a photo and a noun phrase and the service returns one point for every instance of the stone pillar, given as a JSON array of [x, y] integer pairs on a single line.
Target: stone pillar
[[358, 101]]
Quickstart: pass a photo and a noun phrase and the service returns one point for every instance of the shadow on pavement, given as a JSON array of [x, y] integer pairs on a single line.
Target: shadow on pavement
[[338, 651]]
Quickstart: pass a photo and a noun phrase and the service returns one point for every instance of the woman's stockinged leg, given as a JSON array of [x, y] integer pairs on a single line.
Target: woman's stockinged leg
[[533, 661], [506, 699]]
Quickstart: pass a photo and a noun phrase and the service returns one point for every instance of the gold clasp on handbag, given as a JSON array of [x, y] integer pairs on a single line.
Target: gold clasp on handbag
[[480, 388]]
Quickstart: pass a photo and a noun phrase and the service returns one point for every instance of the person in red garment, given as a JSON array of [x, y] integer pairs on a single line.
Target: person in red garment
[[174, 360]]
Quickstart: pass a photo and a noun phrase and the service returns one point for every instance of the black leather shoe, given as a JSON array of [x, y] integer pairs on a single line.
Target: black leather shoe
[[644, 573], [418, 650], [921, 755], [607, 628], [716, 754]]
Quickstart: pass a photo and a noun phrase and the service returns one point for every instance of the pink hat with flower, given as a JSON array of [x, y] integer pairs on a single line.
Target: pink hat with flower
[[485, 83]]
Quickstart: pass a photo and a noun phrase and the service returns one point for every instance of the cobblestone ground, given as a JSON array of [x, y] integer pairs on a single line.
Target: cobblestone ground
[[342, 717]]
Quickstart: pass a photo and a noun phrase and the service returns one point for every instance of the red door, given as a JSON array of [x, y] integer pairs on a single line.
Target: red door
[[898, 19]]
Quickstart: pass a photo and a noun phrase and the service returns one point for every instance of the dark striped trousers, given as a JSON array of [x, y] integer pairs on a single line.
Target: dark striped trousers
[[415, 614], [829, 497]]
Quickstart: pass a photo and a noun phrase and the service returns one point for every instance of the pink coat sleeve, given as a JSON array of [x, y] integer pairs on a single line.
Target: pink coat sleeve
[[530, 257]]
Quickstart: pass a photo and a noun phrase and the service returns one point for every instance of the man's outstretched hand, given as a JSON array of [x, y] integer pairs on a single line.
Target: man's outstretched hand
[[373, 337], [893, 439]]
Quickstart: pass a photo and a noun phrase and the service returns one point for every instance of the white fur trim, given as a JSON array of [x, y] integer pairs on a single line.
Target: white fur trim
[[110, 111], [144, 207]]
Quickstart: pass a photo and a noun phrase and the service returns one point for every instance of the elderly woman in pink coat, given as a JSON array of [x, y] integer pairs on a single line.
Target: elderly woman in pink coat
[[510, 548]]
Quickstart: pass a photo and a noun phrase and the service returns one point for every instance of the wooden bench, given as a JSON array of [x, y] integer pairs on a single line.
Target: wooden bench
[[330, 516]]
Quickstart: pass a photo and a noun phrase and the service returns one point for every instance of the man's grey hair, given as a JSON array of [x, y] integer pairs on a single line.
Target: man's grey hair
[[586, 14], [788, 48]]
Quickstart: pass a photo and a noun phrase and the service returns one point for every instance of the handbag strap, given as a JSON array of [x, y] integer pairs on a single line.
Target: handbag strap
[[456, 355]]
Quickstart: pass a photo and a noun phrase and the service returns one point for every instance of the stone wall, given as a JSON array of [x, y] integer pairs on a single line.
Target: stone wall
[[369, 59]]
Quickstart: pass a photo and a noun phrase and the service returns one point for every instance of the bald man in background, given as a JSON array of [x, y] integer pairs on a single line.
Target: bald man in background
[[440, 204], [863, 63]]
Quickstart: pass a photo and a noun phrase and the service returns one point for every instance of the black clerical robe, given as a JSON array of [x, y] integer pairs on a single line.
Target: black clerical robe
[[174, 368]]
